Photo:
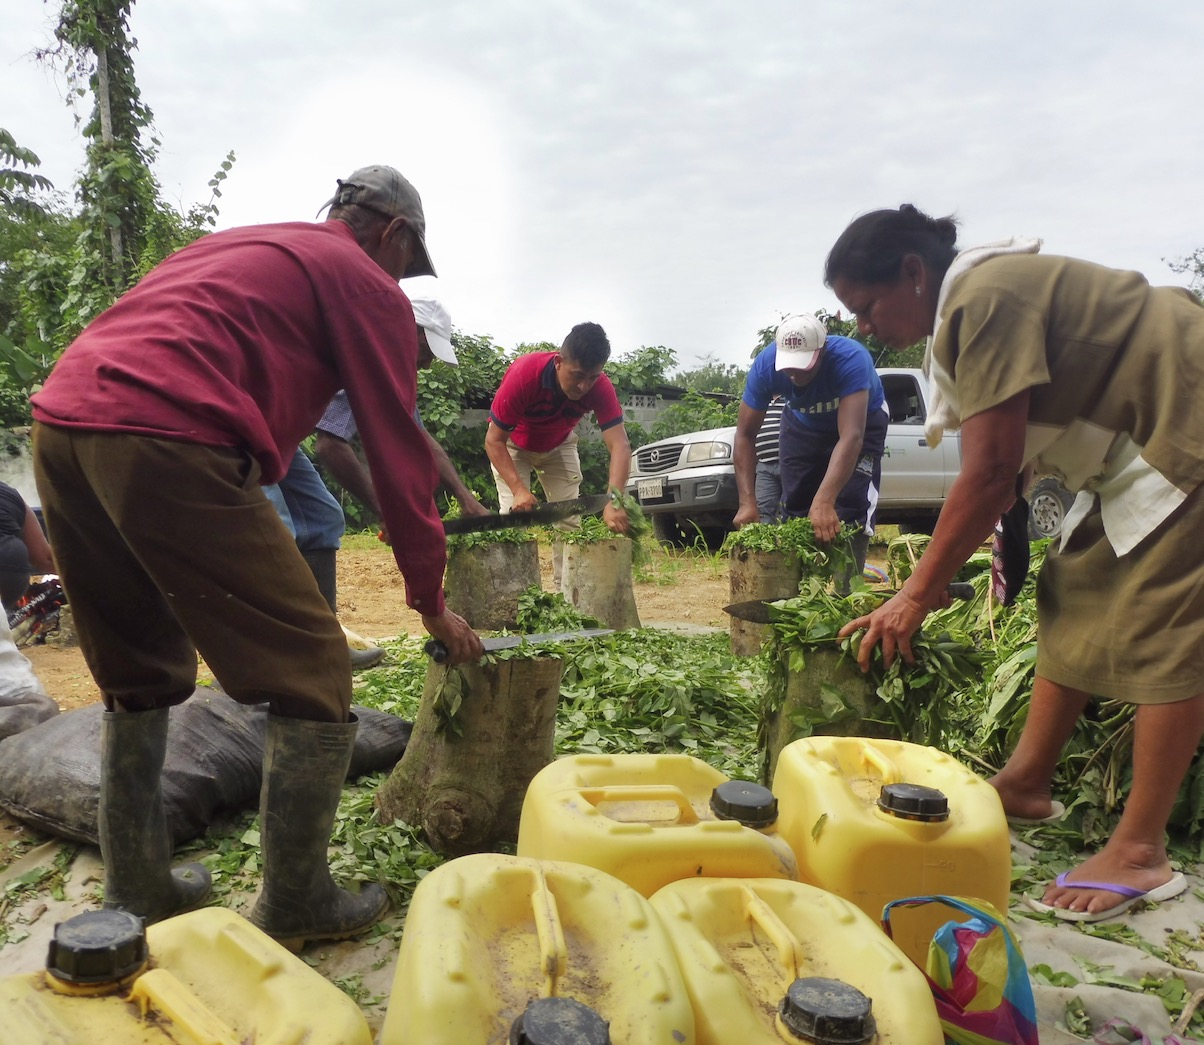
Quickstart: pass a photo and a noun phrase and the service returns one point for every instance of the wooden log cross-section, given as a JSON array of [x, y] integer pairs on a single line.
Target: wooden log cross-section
[[481, 733]]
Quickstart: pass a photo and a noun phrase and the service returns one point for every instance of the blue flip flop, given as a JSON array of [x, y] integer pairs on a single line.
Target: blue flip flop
[[1166, 891]]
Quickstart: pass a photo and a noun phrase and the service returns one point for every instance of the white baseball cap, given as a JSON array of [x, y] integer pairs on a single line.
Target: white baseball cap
[[800, 341], [436, 321]]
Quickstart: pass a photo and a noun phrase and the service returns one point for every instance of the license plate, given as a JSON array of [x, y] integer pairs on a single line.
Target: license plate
[[650, 489]]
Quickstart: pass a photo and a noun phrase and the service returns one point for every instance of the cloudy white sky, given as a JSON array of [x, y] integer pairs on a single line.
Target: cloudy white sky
[[673, 169]]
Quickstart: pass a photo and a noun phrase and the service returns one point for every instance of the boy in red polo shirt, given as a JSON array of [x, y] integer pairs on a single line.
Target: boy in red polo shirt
[[533, 422]]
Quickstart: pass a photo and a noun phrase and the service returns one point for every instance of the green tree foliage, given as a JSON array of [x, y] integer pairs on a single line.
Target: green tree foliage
[[32, 219], [694, 413], [62, 267], [714, 377], [20, 184], [444, 392]]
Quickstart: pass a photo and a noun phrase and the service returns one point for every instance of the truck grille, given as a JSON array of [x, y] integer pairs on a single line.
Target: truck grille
[[660, 458]]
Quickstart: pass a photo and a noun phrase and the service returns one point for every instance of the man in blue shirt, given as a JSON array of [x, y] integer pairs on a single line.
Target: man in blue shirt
[[833, 429]]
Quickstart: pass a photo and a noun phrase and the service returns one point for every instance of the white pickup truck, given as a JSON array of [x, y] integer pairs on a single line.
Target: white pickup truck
[[686, 484]]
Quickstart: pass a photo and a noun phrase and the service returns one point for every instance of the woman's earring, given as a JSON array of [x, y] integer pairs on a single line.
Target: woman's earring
[[917, 290]]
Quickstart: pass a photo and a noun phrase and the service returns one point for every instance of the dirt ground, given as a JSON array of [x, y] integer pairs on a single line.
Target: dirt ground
[[676, 587]]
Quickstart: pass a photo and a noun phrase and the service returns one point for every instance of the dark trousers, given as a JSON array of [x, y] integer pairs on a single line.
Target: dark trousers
[[804, 456], [166, 549]]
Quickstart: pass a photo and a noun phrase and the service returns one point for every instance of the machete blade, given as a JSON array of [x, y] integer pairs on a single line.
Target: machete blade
[[438, 652], [761, 611], [552, 512]]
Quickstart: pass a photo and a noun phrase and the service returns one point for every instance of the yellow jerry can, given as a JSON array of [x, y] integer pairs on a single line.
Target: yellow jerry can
[[653, 819], [881, 820], [769, 961], [499, 949], [208, 977]]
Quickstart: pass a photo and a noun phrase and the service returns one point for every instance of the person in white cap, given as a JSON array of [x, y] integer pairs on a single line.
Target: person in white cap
[[337, 428], [151, 437], [833, 430]]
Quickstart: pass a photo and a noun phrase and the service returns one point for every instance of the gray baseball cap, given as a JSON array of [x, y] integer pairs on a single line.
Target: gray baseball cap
[[383, 190]]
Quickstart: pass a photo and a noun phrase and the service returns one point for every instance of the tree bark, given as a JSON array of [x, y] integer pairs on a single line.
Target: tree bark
[[597, 581], [768, 576], [483, 582], [104, 104], [805, 698], [465, 789]]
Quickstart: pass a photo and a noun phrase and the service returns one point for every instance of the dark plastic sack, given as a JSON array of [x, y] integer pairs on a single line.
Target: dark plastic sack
[[50, 774]]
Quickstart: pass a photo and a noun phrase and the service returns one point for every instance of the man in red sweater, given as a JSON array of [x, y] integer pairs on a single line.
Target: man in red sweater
[[151, 438]]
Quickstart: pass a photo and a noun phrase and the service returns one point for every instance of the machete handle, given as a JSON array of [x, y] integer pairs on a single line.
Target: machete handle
[[960, 590], [436, 650]]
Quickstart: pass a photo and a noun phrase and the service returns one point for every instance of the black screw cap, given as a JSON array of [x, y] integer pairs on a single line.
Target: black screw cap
[[750, 804], [827, 1012], [559, 1021], [97, 947], [914, 802]]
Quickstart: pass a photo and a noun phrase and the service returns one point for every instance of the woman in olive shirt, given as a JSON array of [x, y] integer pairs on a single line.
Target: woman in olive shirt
[[1091, 374]]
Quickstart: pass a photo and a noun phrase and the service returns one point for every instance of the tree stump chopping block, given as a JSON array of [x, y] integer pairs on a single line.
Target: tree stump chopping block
[[764, 575], [483, 582], [481, 733], [597, 581]]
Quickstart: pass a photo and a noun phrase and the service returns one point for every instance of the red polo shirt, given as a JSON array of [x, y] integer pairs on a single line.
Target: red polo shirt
[[533, 408]]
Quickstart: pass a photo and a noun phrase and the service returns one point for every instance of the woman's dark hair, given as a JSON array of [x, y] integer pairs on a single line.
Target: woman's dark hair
[[872, 248]]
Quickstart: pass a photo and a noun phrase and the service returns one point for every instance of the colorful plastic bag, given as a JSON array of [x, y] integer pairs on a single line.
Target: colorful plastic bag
[[977, 974]]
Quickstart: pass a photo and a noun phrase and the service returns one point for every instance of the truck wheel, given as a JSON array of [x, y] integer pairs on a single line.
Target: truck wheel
[[1048, 503], [918, 524], [666, 529]]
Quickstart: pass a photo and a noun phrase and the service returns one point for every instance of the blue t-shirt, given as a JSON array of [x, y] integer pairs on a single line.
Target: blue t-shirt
[[846, 367]]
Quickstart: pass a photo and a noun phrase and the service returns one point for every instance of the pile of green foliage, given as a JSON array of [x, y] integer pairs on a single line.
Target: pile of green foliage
[[796, 537], [968, 692]]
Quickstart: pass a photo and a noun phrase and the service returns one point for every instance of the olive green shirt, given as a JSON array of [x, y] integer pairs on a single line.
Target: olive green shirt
[[1116, 374]]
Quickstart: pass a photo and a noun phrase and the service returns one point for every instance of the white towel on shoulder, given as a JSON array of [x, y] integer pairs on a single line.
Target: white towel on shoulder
[[944, 412]]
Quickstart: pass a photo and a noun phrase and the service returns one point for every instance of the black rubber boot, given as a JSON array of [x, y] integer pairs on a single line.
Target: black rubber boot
[[322, 565], [304, 766], [134, 840]]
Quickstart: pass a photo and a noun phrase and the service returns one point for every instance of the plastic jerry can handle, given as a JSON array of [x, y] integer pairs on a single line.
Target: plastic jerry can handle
[[160, 991], [553, 950], [644, 793], [874, 759], [790, 952]]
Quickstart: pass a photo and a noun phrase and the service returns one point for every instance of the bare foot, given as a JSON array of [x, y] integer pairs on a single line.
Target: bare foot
[[1137, 866], [1021, 799]]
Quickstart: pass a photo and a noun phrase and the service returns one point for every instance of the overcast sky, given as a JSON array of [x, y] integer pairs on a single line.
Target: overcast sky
[[675, 171]]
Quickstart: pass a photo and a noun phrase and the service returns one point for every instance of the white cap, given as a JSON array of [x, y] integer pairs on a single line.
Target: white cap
[[436, 321], [800, 341]]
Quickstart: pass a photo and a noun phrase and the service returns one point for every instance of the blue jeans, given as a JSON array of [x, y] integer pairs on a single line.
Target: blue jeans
[[769, 493], [310, 511]]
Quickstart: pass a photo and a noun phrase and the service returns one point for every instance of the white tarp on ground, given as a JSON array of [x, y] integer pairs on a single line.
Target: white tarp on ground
[[1063, 947]]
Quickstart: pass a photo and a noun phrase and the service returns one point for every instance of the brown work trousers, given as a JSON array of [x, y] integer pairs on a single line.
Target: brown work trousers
[[166, 549]]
